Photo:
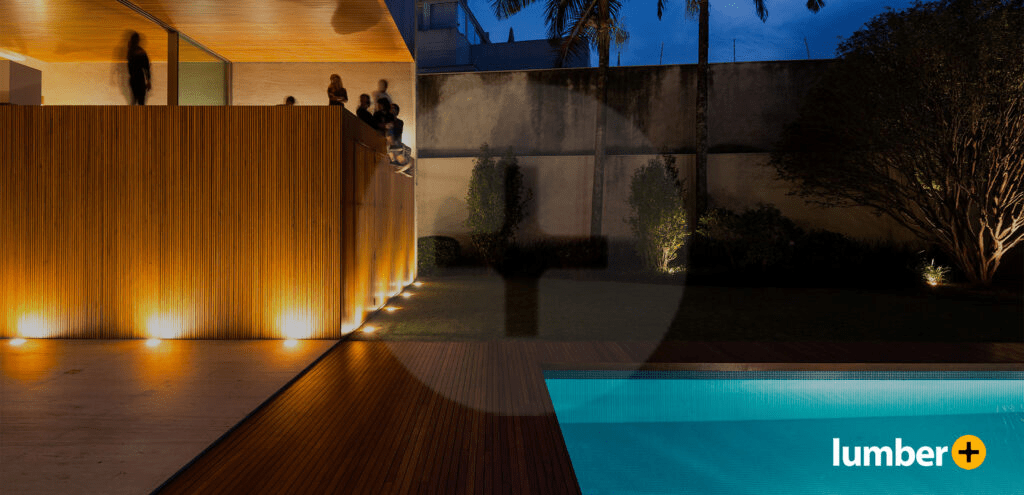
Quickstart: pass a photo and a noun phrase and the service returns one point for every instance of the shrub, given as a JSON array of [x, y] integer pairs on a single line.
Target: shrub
[[757, 238], [436, 252], [659, 213], [934, 274], [496, 202], [762, 246]]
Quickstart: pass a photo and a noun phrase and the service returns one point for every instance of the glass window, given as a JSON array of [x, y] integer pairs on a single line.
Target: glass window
[[202, 78]]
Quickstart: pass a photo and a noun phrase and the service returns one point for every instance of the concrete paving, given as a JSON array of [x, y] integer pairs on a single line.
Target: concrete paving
[[119, 417]]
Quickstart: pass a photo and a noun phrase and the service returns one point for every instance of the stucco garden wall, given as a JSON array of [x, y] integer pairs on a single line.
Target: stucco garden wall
[[561, 196], [547, 118]]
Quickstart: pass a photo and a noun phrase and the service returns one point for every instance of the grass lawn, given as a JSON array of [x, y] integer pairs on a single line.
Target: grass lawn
[[480, 306]]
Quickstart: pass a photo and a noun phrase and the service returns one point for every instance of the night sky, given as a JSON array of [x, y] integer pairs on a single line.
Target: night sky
[[781, 37]]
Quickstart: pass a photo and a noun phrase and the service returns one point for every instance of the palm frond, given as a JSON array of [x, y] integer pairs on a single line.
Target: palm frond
[[503, 9], [561, 13], [762, 10], [692, 8], [815, 5]]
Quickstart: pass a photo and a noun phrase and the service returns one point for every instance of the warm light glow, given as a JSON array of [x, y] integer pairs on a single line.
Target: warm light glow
[[932, 282], [297, 326], [33, 327], [291, 343], [17, 342], [417, 284], [165, 327], [391, 309], [13, 56], [406, 295], [153, 342], [369, 329]]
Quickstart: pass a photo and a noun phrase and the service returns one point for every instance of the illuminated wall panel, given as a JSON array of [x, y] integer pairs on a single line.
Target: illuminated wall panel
[[195, 222]]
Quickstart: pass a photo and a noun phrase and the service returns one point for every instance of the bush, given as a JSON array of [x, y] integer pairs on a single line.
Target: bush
[[761, 246], [758, 238], [436, 252], [496, 202], [659, 214]]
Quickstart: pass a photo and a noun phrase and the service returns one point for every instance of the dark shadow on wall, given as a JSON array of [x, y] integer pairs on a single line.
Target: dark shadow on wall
[[373, 16]]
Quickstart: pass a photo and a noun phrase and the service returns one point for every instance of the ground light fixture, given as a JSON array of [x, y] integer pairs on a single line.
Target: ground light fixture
[[407, 295], [417, 284], [18, 341], [369, 329], [291, 342], [152, 342], [390, 309]]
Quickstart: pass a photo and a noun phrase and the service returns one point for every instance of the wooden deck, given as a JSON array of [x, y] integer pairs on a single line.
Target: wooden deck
[[462, 417]]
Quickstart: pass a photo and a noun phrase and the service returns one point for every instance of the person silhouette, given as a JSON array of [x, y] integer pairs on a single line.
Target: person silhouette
[[138, 70], [336, 93]]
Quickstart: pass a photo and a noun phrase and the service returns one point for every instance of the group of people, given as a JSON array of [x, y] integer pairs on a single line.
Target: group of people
[[383, 118]]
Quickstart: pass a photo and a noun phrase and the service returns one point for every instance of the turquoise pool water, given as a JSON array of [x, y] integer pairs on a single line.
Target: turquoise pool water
[[653, 432]]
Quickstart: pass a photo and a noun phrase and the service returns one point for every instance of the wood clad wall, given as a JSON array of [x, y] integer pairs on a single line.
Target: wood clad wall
[[378, 215], [193, 222]]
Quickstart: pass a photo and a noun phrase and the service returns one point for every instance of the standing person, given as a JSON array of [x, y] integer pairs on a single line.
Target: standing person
[[382, 92], [138, 70], [336, 93], [363, 112]]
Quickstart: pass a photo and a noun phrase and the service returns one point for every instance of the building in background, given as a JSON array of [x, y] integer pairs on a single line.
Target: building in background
[[450, 39]]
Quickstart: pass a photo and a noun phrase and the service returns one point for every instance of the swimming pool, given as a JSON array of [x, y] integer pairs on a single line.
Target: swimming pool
[[837, 432]]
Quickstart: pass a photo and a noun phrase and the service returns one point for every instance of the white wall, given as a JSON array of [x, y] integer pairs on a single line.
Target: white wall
[[271, 83], [97, 83]]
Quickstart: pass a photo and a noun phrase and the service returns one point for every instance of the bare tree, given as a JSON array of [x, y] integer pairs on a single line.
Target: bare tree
[[922, 119]]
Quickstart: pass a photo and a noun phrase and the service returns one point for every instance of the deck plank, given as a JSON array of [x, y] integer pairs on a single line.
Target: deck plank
[[379, 417]]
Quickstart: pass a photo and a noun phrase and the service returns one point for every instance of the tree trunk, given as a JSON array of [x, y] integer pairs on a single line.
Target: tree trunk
[[702, 112], [597, 201]]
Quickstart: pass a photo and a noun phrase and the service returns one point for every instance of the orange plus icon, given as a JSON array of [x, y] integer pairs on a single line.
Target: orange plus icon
[[968, 452]]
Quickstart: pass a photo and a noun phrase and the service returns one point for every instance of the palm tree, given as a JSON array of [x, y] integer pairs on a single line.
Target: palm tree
[[699, 8], [577, 24]]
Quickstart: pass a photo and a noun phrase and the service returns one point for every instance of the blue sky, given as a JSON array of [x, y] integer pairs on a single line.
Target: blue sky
[[781, 37]]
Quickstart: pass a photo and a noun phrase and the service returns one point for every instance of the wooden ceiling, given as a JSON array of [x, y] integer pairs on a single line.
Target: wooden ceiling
[[239, 30]]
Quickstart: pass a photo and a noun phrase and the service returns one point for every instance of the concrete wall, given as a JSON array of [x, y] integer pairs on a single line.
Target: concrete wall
[[561, 187], [651, 109], [19, 84], [547, 118]]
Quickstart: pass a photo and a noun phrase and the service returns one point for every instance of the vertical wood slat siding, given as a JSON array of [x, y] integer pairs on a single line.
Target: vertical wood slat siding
[[226, 220], [378, 223]]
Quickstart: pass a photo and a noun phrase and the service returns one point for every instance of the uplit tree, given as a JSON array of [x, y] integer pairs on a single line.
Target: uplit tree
[[922, 119]]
